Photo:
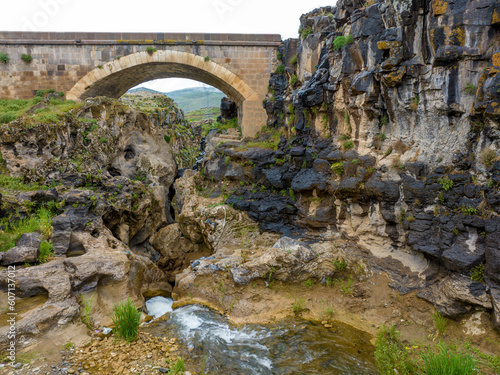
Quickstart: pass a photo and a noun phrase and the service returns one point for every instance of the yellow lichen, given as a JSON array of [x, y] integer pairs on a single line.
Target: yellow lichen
[[495, 18], [495, 60], [459, 33], [382, 45], [439, 7]]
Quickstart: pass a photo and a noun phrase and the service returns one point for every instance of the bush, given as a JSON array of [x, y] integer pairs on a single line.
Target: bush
[[306, 32], [477, 273], [445, 362], [294, 80], [151, 50], [280, 69], [390, 353], [206, 58], [26, 58], [347, 145], [446, 183], [341, 41], [4, 58], [470, 89], [293, 60], [338, 168], [126, 319], [166, 138]]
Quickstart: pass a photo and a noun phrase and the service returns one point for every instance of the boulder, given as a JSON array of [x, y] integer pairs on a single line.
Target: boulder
[[27, 250]]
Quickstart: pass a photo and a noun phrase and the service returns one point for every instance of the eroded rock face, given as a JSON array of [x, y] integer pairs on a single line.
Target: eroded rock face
[[112, 171], [108, 270]]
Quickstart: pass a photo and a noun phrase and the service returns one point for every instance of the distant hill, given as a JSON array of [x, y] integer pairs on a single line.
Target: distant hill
[[191, 99]]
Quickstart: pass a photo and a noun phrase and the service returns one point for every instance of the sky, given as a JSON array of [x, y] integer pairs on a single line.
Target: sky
[[209, 16]]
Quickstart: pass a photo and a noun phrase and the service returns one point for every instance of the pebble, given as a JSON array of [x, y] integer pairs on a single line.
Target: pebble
[[328, 326], [71, 371]]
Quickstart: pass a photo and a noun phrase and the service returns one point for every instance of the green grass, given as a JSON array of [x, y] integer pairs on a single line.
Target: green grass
[[298, 305], [220, 127], [293, 60], [280, 69], [338, 168], [11, 110], [272, 142], [440, 322], [87, 311], [306, 32], [15, 183], [347, 145], [390, 353], [46, 251], [177, 368], [40, 222], [341, 41], [4, 58], [445, 362], [126, 319]]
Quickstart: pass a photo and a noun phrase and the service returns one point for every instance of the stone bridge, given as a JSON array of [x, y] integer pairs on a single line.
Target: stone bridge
[[83, 65]]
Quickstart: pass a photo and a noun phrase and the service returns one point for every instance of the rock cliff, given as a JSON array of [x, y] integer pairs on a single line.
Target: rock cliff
[[384, 127]]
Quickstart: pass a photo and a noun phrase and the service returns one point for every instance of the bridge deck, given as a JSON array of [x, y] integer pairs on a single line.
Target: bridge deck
[[20, 37]]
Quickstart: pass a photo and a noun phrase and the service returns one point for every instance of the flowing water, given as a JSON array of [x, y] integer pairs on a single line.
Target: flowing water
[[292, 346]]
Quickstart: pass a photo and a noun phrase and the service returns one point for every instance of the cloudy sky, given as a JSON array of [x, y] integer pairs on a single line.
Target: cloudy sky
[[213, 16]]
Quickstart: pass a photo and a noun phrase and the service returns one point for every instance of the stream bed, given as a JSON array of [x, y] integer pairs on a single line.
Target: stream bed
[[293, 346]]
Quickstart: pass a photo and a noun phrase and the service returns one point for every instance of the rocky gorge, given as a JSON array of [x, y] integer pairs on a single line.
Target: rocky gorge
[[371, 197]]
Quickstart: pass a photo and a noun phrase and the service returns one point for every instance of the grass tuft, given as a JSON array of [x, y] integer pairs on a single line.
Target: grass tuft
[[126, 319]]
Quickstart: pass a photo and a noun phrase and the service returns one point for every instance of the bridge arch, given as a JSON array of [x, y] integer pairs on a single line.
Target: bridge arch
[[115, 78]]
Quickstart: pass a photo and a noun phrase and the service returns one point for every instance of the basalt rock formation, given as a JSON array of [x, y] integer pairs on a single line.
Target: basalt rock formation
[[384, 127]]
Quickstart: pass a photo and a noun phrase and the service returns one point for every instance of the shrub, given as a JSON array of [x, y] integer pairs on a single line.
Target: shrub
[[151, 50], [126, 320], [308, 283], [488, 157], [347, 145], [206, 58], [280, 69], [467, 210], [470, 89], [381, 136], [338, 168], [294, 80], [26, 58], [446, 183], [4, 58], [341, 41], [477, 273], [294, 60], [46, 251], [390, 352], [298, 305], [306, 32], [440, 322], [340, 265], [445, 362], [166, 138]]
